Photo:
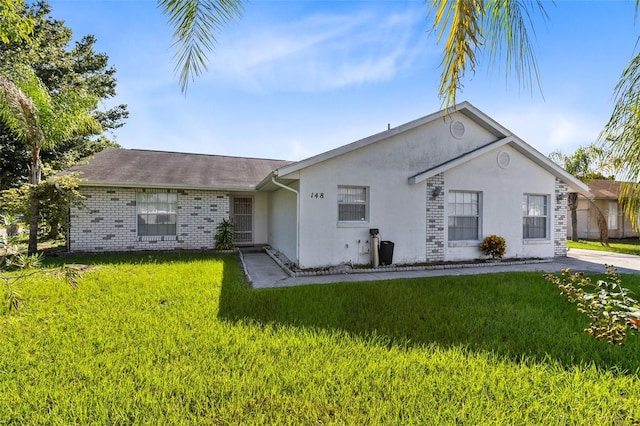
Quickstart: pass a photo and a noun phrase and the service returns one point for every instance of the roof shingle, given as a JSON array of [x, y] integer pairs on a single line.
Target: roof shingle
[[122, 167]]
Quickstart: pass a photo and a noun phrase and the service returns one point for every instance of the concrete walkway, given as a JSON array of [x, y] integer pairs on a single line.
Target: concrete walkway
[[263, 272]]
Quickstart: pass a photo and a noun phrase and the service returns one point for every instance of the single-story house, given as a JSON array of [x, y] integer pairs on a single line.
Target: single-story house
[[603, 195], [435, 187]]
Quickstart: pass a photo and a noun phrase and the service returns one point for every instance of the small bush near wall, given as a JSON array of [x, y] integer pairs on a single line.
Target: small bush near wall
[[224, 235], [494, 246]]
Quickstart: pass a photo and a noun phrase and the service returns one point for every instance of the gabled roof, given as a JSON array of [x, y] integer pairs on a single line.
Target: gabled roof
[[575, 184], [465, 108], [503, 137], [135, 167]]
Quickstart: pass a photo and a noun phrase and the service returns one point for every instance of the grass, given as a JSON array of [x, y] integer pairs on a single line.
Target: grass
[[182, 339], [627, 245]]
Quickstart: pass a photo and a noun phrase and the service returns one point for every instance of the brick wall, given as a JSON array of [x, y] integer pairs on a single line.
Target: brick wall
[[435, 219], [560, 220], [108, 222]]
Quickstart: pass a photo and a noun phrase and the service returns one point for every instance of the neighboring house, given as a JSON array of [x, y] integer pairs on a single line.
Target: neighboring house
[[603, 194], [435, 187]]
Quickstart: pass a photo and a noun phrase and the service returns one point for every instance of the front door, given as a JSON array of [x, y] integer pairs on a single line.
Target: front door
[[243, 220]]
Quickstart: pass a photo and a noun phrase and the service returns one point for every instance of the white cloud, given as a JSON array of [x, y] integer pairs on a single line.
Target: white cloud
[[318, 52], [548, 129], [298, 151]]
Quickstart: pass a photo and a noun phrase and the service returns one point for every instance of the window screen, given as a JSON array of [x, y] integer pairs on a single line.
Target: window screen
[[535, 213], [157, 213], [352, 204], [464, 215]]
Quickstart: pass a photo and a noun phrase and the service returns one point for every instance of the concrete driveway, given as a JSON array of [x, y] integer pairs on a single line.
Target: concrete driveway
[[264, 272], [587, 260]]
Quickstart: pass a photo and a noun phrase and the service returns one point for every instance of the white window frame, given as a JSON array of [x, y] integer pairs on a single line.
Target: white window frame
[[461, 209], [530, 210], [342, 201], [148, 207]]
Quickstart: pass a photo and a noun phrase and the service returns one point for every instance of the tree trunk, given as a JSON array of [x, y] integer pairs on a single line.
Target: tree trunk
[[602, 224], [34, 213], [572, 201]]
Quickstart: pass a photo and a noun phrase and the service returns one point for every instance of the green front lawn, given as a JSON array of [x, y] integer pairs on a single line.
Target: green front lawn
[[628, 245], [181, 339]]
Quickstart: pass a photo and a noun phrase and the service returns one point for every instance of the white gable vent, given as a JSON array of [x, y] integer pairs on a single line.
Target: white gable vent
[[504, 159], [457, 129]]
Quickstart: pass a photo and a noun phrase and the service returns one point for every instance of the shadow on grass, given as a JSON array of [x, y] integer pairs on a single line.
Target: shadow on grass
[[514, 315], [133, 258]]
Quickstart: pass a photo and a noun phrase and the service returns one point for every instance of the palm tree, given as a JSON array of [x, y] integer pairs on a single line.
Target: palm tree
[[39, 120], [622, 136]]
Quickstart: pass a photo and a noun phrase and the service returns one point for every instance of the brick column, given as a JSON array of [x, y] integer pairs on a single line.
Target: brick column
[[435, 219], [560, 219]]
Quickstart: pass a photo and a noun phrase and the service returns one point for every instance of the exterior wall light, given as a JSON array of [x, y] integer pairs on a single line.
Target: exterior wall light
[[436, 192]]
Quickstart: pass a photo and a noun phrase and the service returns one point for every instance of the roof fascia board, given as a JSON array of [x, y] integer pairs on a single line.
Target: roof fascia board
[[483, 120], [106, 184], [520, 146], [266, 181], [420, 177], [366, 141], [550, 166], [465, 108]]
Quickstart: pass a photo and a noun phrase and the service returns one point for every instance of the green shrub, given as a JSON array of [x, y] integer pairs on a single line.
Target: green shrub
[[494, 246], [224, 235], [610, 308]]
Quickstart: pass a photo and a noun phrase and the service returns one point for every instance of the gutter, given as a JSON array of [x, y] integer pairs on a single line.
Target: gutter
[[107, 184], [288, 188]]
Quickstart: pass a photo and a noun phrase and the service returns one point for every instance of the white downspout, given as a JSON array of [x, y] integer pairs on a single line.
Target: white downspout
[[275, 182]]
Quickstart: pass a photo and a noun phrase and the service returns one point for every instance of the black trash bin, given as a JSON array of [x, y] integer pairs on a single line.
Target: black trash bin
[[386, 252]]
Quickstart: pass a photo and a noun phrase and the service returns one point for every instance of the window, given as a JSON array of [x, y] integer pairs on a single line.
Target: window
[[156, 213], [612, 217], [535, 214], [464, 215], [352, 204]]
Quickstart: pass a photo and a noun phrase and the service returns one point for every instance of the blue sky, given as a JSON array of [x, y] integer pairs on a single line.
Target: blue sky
[[296, 78]]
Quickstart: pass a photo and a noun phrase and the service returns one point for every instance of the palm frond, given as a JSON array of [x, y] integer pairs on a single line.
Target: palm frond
[[504, 27], [461, 22], [195, 24], [71, 117], [19, 112], [509, 30], [621, 135]]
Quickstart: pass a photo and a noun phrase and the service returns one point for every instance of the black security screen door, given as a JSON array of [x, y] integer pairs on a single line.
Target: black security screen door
[[243, 219]]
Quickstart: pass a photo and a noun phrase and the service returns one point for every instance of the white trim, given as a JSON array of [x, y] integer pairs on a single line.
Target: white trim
[[354, 224], [547, 215], [520, 146], [421, 177], [105, 184], [464, 108], [288, 188], [480, 202]]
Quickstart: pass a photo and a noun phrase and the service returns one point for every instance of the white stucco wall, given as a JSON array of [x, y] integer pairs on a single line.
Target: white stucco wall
[[395, 207], [261, 218], [502, 190], [283, 222]]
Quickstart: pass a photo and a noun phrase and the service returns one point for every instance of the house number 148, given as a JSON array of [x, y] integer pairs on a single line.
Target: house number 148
[[317, 195]]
